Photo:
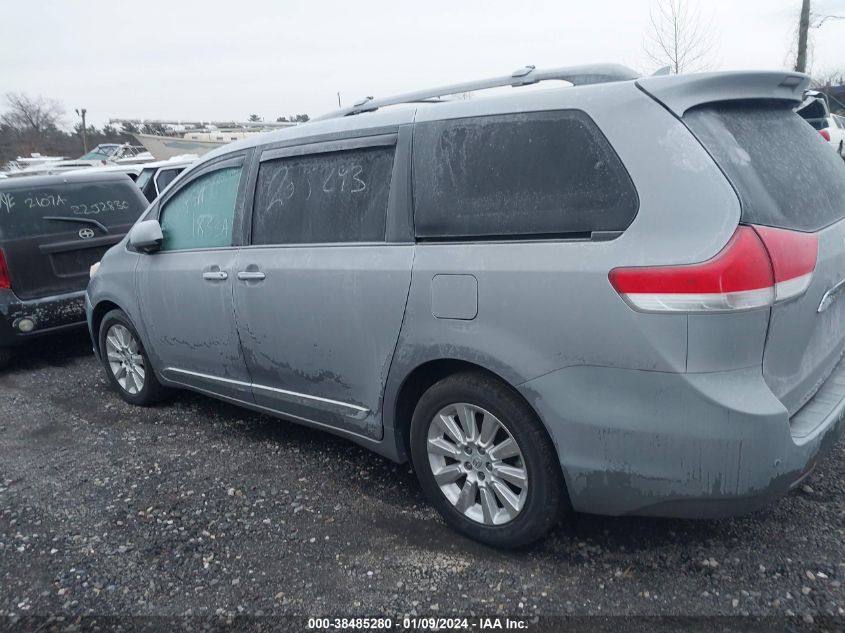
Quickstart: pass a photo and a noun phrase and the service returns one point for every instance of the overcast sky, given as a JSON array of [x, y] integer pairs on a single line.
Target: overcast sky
[[226, 60]]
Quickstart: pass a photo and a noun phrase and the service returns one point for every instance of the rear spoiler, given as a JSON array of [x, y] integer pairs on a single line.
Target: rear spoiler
[[679, 93]]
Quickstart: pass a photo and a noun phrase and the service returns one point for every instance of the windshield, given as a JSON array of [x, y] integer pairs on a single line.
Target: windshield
[[43, 209], [101, 152]]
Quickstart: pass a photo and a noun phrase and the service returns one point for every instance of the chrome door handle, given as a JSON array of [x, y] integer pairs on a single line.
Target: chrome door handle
[[251, 275], [831, 295], [215, 275]]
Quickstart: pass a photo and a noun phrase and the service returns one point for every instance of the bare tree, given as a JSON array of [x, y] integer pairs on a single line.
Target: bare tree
[[31, 123], [35, 114], [819, 20], [679, 36], [826, 82], [800, 54]]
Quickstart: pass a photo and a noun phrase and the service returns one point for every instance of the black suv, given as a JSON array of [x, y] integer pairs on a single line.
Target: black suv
[[52, 229]]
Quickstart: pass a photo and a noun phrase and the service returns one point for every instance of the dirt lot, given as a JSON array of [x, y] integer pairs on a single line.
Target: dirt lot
[[196, 507]]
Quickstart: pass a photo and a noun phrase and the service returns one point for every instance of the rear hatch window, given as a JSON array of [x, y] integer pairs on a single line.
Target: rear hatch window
[[787, 177], [784, 172], [27, 210]]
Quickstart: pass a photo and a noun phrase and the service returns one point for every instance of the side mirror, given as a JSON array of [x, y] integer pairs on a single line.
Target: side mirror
[[146, 236]]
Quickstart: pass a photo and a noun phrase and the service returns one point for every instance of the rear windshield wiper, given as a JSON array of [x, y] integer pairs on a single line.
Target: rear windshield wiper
[[96, 223]]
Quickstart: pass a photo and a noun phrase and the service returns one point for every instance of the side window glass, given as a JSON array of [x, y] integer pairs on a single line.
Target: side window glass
[[332, 197], [164, 178], [532, 174], [201, 214]]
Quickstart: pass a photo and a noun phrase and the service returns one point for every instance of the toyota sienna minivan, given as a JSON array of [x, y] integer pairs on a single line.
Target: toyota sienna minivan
[[620, 296]]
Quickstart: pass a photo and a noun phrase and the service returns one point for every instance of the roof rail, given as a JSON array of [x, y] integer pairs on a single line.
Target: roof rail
[[576, 75]]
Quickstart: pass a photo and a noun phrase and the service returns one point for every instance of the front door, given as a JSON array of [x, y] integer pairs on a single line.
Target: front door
[[319, 294], [185, 288]]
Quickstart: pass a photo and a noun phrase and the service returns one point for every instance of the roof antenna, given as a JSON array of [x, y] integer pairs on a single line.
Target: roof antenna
[[665, 70]]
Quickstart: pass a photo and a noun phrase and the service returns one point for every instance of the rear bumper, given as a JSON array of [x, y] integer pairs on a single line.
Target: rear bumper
[[49, 314], [682, 445]]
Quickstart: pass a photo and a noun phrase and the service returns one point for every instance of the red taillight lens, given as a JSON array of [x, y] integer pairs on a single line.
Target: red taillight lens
[[825, 134], [758, 266], [5, 279], [793, 256]]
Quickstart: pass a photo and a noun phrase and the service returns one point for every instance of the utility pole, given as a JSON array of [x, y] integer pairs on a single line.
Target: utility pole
[[803, 27], [338, 100], [82, 114]]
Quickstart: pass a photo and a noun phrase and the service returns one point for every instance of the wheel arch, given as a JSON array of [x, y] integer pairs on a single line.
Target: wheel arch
[[100, 310], [423, 376]]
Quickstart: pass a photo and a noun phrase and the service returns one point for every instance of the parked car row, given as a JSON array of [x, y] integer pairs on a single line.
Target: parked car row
[[53, 229], [156, 176], [538, 304], [831, 127]]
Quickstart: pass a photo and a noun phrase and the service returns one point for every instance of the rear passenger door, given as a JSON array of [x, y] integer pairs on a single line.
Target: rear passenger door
[[321, 290]]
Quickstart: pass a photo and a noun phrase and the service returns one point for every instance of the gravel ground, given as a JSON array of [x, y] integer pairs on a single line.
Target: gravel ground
[[197, 507]]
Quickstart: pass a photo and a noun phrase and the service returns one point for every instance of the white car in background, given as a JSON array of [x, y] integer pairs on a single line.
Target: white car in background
[[817, 113], [130, 170], [155, 176]]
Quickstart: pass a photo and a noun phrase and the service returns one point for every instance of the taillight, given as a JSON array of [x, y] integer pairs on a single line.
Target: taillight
[[5, 279], [825, 134], [758, 267]]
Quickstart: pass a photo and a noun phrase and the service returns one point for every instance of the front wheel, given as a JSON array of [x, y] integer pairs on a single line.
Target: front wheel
[[127, 364], [485, 461]]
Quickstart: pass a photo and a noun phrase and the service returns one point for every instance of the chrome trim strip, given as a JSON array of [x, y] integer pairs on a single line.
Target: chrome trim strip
[[338, 430], [335, 406]]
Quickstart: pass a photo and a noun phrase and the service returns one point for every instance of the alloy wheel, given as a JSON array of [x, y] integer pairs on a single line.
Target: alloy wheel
[[477, 464], [123, 353]]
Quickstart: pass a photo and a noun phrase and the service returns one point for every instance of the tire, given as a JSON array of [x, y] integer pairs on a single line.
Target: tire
[[6, 356], [130, 356], [484, 516]]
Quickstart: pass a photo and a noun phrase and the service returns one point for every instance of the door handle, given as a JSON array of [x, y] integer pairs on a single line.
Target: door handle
[[251, 275], [215, 275]]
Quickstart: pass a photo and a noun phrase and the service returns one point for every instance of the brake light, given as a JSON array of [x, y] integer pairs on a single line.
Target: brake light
[[758, 267], [825, 134], [793, 256], [5, 278]]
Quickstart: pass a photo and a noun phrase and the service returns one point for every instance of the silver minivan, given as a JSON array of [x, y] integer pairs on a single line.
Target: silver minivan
[[620, 296]]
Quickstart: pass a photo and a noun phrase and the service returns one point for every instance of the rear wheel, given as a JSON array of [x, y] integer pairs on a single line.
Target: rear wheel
[[485, 462], [127, 364]]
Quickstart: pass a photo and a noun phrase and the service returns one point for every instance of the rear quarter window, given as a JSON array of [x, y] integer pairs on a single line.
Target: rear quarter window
[[785, 173], [540, 174], [41, 209]]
